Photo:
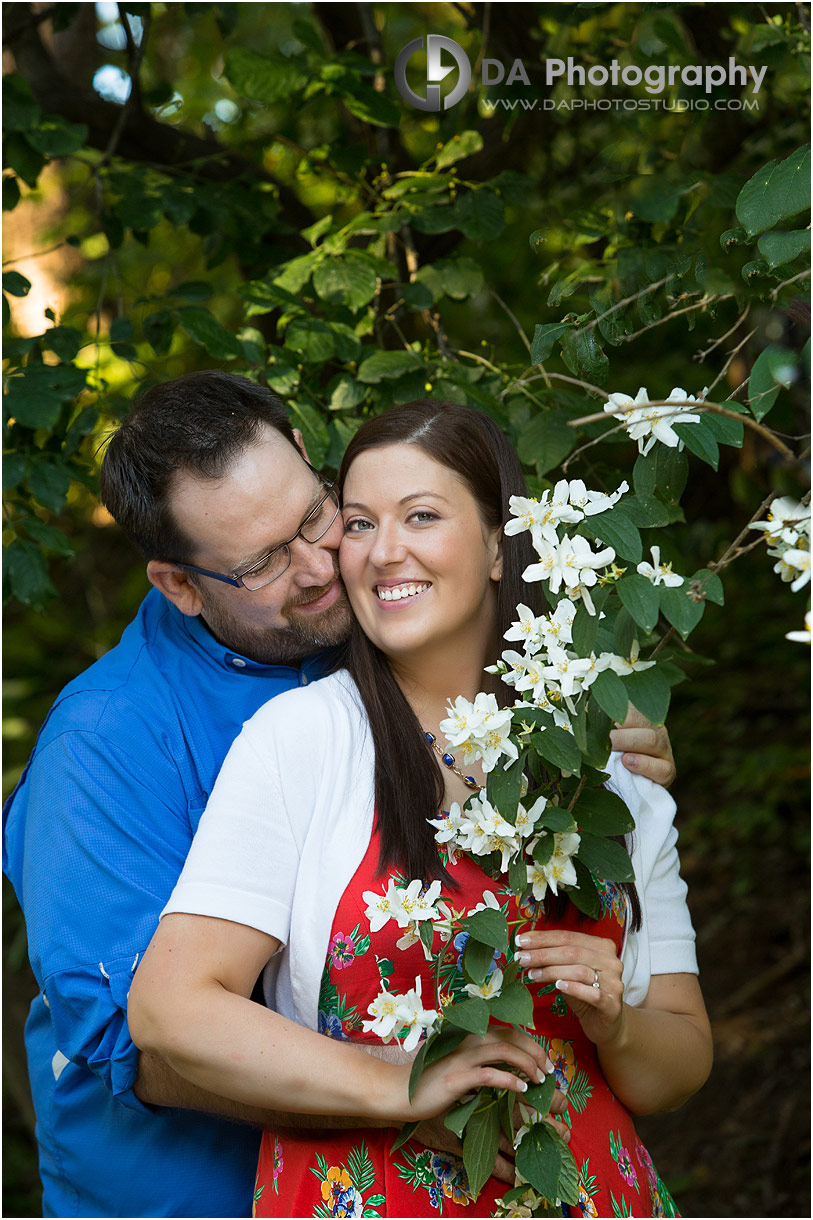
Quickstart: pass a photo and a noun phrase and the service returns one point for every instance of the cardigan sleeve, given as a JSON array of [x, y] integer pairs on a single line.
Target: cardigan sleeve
[[665, 943]]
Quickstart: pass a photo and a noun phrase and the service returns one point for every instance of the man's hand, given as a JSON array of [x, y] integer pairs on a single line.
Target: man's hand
[[646, 749]]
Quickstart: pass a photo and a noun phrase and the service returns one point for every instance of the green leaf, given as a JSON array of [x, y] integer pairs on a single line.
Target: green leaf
[[624, 633], [699, 439], [649, 690], [23, 158], [56, 137], [388, 365], [777, 191], [312, 339], [63, 340], [724, 429], [14, 467], [20, 111], [543, 849], [158, 331], [456, 1119], [514, 1005], [543, 1160], [478, 961], [49, 484], [346, 280], [682, 611], [35, 397], [480, 215], [418, 1064], [540, 1096], [585, 895], [546, 440], [772, 370], [503, 789], [601, 812], [584, 356], [611, 695], [640, 597], [607, 859], [26, 574], [557, 747], [653, 199], [584, 631], [643, 474], [616, 530], [556, 819], [471, 1015], [314, 429], [671, 472], [406, 1132], [203, 328], [271, 78], [48, 536], [646, 511], [442, 1043], [461, 277], [15, 284], [367, 103], [464, 144], [710, 584], [481, 1141], [544, 339], [11, 193], [489, 927], [780, 248], [518, 875]]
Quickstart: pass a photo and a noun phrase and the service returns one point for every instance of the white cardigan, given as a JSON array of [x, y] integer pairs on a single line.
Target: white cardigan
[[290, 819]]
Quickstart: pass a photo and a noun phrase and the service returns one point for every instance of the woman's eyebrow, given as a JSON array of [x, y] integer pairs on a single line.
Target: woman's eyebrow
[[413, 495]]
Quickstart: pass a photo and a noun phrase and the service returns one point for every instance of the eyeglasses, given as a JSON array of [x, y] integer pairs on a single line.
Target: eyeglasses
[[271, 566]]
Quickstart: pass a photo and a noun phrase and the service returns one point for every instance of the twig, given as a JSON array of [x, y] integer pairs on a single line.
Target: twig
[[513, 318], [135, 54], [701, 356], [545, 376], [731, 355], [803, 275], [620, 304], [24, 258], [577, 793], [706, 300]]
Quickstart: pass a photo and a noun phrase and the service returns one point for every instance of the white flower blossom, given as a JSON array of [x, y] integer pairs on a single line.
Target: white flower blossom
[[627, 665], [647, 424], [480, 730], [572, 561], [393, 1013], [490, 903], [407, 906], [543, 515], [489, 989], [527, 629], [568, 671], [384, 1011], [657, 572], [802, 637], [787, 521], [381, 907], [799, 562], [593, 502], [556, 628], [559, 869]]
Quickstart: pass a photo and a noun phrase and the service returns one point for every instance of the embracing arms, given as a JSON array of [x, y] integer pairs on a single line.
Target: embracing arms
[[190, 1004]]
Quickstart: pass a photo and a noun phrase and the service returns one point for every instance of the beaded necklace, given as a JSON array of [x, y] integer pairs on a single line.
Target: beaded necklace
[[448, 761]]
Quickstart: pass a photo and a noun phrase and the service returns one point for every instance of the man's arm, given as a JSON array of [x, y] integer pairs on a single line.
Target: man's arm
[[645, 748]]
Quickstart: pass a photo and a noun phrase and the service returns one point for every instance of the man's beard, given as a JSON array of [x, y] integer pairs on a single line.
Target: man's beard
[[303, 635]]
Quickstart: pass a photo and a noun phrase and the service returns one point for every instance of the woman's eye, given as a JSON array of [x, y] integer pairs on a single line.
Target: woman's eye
[[422, 516], [357, 525]]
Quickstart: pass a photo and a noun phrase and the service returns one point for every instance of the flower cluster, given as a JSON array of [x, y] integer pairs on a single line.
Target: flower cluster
[[479, 730], [393, 1013], [481, 830], [409, 906], [646, 423], [659, 573], [787, 531]]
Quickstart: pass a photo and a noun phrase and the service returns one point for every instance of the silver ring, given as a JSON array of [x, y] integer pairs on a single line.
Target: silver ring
[[595, 982]]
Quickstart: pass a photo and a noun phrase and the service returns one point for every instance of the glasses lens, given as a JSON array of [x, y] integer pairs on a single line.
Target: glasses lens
[[268, 569], [321, 519]]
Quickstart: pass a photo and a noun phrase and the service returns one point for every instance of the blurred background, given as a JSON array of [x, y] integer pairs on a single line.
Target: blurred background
[[166, 162]]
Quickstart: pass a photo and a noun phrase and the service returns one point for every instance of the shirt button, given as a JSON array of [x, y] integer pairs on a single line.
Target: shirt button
[[238, 662], [303, 681]]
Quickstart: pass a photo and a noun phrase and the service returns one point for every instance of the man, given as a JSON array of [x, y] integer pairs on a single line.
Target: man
[[241, 537]]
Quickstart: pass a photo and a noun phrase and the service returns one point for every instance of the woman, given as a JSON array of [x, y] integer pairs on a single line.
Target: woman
[[324, 800]]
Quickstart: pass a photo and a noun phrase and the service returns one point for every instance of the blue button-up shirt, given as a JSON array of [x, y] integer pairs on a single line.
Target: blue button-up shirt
[[96, 834]]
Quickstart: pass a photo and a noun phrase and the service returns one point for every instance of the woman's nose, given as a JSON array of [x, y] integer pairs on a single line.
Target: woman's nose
[[388, 545]]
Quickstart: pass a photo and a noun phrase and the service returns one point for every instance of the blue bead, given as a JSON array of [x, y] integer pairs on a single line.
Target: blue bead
[[469, 781], [448, 759], [430, 737]]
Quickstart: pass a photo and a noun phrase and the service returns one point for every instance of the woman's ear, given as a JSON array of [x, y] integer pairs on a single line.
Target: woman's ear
[[176, 586], [496, 567]]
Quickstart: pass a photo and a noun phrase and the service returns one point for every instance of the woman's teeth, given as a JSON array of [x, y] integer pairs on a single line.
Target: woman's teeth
[[400, 592]]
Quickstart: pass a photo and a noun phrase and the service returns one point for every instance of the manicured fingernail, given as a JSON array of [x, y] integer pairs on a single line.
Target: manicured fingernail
[[548, 1066], [521, 940], [561, 985], [631, 760], [524, 959], [536, 975], [523, 1086], [540, 1076]]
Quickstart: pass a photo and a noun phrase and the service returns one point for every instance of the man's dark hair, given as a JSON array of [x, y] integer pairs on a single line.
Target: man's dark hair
[[199, 424]]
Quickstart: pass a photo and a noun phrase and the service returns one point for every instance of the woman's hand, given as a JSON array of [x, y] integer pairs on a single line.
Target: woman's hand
[[479, 1063], [645, 748], [574, 962]]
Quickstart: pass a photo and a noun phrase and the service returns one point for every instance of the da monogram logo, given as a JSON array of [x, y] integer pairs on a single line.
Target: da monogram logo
[[435, 43]]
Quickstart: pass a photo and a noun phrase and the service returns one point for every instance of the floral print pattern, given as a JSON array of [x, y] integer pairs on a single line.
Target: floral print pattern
[[355, 1173]]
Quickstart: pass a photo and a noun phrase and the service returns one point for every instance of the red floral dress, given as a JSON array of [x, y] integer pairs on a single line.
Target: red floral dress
[[354, 1173]]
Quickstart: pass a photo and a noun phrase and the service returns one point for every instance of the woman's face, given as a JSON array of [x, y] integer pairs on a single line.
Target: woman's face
[[419, 565]]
